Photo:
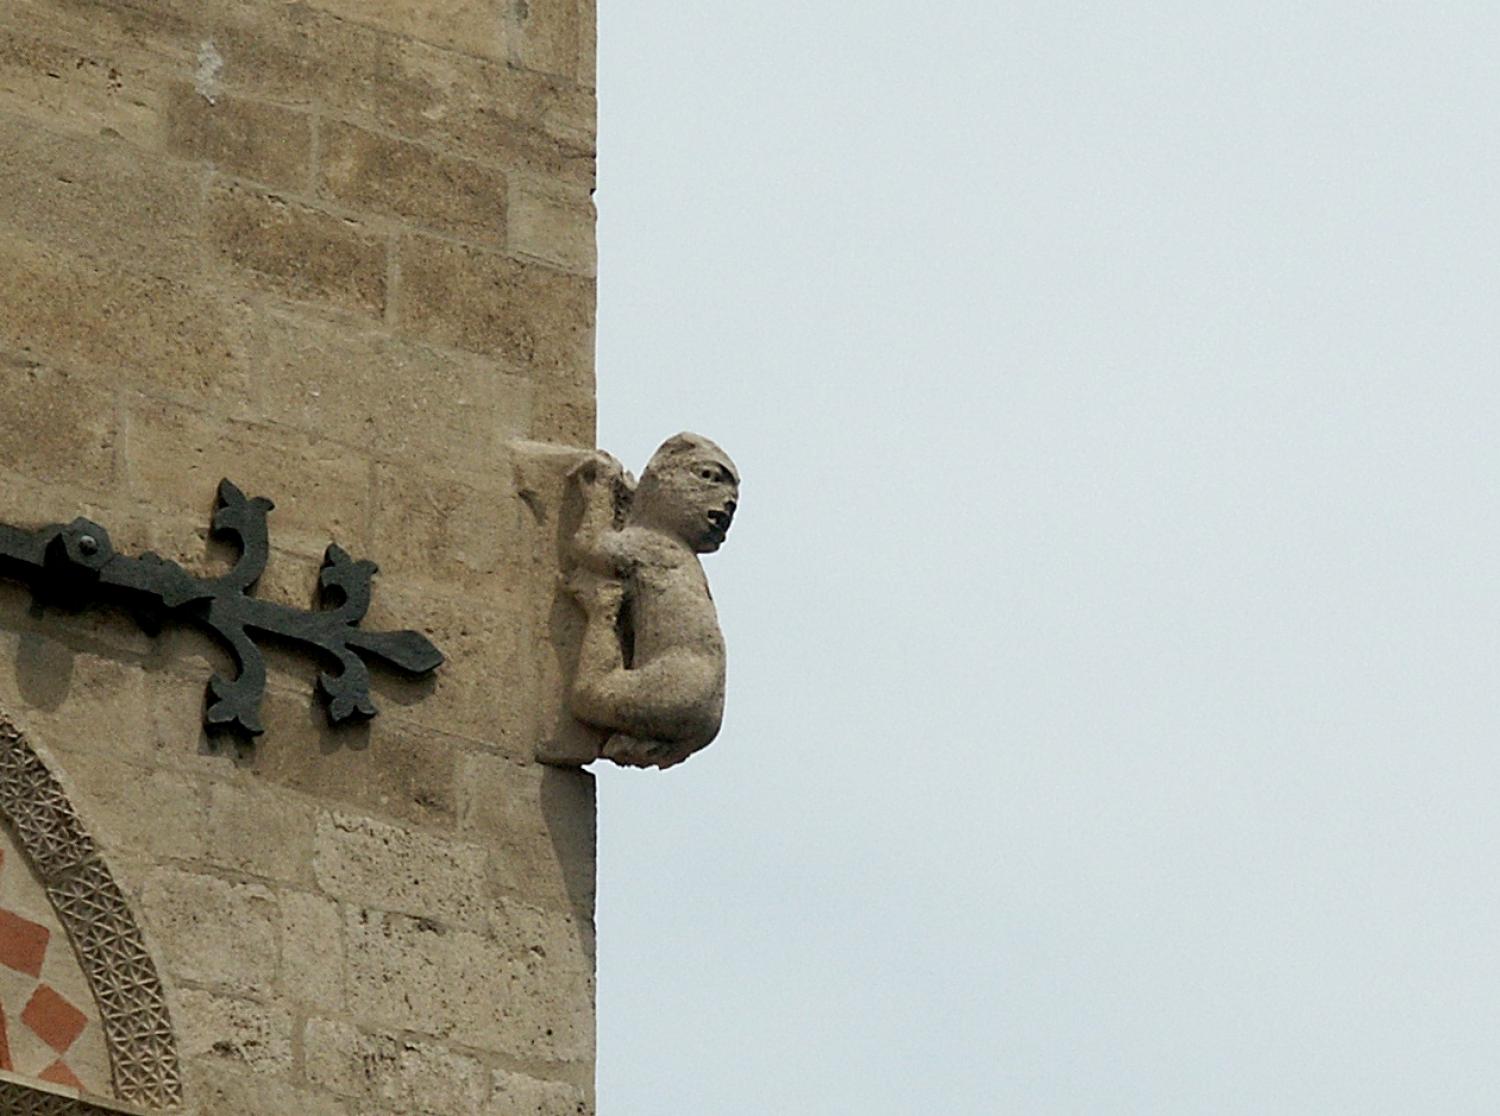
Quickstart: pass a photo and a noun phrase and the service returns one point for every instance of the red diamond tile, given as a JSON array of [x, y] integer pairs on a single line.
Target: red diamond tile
[[59, 1074], [55, 1021], [5, 1062], [23, 943]]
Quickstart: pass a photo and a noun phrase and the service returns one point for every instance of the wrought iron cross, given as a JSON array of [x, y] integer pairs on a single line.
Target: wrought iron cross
[[69, 565]]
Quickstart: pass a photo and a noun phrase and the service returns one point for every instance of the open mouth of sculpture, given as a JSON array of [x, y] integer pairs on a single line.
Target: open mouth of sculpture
[[720, 519]]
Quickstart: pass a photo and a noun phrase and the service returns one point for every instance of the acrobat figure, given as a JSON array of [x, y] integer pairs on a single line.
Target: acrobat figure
[[651, 667]]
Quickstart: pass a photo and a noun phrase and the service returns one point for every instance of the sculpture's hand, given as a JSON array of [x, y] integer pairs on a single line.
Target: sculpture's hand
[[596, 467], [606, 489]]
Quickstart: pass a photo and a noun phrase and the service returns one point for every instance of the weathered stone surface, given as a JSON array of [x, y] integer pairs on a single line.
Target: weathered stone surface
[[70, 700], [80, 92], [372, 864], [523, 121], [474, 695], [247, 1034], [213, 932], [175, 738], [402, 972], [549, 36], [99, 199], [482, 107], [450, 528], [292, 248], [515, 1094], [220, 1089], [412, 1076], [265, 142], [588, 42], [564, 414], [34, 397], [519, 994], [356, 383], [524, 930], [104, 322], [553, 223], [145, 813], [381, 174], [259, 833], [537, 823], [312, 950], [526, 314], [178, 455], [477, 26], [161, 27], [388, 768]]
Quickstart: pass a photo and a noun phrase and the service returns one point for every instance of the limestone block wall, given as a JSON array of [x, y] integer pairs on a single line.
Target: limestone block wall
[[340, 252]]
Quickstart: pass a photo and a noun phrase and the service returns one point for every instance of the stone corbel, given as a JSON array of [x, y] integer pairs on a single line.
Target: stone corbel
[[646, 688]]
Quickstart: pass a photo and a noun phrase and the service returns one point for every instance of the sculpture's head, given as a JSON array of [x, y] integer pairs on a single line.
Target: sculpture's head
[[690, 489]]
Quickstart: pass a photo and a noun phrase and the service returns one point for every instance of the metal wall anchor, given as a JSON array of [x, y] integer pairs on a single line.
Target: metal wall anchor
[[74, 565]]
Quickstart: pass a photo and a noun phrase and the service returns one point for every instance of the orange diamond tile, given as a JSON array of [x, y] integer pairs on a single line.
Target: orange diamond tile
[[23, 943], [55, 1021]]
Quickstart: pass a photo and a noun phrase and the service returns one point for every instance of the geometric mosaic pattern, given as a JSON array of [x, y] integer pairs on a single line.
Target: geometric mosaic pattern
[[137, 1029], [49, 1024], [21, 1098], [49, 1029]]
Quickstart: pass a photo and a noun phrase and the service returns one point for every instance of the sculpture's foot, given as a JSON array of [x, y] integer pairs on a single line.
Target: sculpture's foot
[[629, 751]]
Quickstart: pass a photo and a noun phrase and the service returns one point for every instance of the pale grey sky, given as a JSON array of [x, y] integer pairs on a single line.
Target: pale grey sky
[[1114, 719]]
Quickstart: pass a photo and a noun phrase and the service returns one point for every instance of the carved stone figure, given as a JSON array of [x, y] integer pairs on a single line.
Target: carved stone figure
[[651, 668]]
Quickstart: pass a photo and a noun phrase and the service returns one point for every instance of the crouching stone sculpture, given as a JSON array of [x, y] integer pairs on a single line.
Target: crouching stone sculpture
[[651, 667]]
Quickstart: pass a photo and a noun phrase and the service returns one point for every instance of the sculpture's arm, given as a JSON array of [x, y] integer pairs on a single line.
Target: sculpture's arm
[[610, 554], [605, 488]]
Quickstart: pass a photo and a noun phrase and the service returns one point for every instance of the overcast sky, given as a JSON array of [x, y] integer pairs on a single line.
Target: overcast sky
[[1114, 712]]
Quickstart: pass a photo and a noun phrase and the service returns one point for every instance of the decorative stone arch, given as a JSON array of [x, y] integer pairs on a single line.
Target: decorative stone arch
[[93, 910]]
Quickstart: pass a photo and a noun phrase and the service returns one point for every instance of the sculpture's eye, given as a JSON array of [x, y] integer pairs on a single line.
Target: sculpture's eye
[[708, 474]]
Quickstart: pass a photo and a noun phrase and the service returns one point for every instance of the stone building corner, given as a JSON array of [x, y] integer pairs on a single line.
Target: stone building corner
[[341, 253]]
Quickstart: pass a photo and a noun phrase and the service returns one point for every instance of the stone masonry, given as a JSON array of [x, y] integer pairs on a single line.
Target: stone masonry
[[340, 252]]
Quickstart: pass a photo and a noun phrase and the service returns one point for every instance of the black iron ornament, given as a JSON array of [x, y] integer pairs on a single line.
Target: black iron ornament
[[71, 565]]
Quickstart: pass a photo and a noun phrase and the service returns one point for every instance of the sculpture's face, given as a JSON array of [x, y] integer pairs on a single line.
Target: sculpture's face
[[713, 495], [691, 492]]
